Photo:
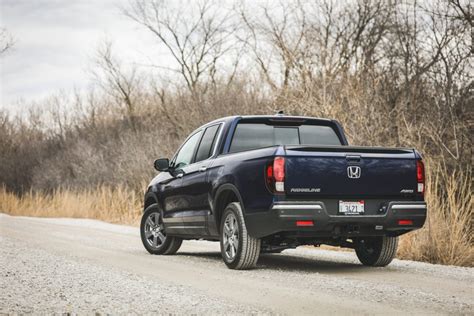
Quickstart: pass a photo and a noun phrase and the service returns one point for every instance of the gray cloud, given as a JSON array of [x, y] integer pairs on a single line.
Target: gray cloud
[[55, 42]]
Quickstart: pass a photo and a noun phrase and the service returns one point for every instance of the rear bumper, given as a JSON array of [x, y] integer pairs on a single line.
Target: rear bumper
[[399, 218]]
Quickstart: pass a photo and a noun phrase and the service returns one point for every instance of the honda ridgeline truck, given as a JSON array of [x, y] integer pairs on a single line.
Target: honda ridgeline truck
[[268, 183]]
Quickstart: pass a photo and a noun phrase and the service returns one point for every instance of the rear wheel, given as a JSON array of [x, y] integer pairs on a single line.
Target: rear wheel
[[153, 233], [239, 250], [377, 251]]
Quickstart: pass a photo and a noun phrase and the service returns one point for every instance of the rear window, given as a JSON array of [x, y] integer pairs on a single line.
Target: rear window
[[249, 136]]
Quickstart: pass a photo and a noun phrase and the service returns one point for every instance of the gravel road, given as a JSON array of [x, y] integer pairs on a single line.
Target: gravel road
[[87, 266]]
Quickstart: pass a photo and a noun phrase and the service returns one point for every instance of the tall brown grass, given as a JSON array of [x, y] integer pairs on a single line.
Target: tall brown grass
[[446, 237], [115, 205]]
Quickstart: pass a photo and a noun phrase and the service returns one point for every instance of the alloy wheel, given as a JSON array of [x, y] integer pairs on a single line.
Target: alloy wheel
[[231, 237], [154, 230]]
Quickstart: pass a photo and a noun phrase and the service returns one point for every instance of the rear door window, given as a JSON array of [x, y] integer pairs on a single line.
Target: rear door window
[[207, 143]]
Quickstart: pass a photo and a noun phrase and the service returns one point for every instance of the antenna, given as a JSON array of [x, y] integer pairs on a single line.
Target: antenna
[[280, 113]]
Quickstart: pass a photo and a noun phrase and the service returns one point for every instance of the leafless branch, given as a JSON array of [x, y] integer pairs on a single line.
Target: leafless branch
[[6, 41]]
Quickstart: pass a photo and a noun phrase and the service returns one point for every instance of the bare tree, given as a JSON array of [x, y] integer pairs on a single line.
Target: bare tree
[[462, 11], [197, 34], [309, 41], [278, 42], [122, 85]]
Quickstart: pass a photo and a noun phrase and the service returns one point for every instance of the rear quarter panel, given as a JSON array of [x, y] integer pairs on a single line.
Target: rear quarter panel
[[246, 171]]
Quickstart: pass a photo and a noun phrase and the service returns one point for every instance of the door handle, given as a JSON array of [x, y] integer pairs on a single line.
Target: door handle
[[202, 169], [353, 158]]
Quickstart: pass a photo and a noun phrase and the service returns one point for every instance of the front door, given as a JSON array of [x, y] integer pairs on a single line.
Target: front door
[[175, 197], [172, 202]]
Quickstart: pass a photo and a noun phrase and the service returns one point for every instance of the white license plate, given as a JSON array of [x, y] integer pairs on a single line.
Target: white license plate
[[351, 207]]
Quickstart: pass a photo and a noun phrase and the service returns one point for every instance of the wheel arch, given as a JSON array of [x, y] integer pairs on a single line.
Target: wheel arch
[[225, 194], [150, 198]]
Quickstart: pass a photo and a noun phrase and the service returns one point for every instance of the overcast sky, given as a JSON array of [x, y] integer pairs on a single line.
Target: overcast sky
[[55, 41]]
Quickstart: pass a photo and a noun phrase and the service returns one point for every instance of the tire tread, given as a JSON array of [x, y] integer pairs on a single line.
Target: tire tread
[[174, 246], [384, 255], [250, 250]]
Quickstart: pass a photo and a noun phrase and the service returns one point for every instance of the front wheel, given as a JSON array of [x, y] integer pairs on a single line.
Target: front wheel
[[376, 251], [239, 250], [153, 233]]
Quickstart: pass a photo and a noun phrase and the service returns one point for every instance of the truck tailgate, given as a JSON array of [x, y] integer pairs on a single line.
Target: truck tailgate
[[343, 171]]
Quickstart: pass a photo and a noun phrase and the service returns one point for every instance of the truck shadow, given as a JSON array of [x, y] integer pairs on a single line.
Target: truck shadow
[[287, 262]]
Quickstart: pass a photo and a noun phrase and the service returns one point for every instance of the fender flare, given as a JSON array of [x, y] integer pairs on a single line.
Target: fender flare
[[150, 198], [217, 210], [225, 187]]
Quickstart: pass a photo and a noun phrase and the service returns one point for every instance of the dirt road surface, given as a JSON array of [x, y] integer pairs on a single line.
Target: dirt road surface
[[87, 266]]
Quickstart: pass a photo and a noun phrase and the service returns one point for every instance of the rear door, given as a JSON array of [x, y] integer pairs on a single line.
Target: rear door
[[195, 186]]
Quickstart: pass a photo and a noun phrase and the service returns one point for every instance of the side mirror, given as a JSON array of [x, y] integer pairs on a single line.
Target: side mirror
[[162, 164]]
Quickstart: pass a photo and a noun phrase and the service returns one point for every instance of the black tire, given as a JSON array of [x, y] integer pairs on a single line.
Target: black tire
[[248, 249], [168, 245], [377, 251]]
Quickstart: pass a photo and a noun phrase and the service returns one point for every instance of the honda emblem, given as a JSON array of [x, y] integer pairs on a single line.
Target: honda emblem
[[353, 172]]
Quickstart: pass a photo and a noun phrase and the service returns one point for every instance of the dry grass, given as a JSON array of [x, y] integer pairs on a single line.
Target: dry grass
[[446, 237], [115, 205]]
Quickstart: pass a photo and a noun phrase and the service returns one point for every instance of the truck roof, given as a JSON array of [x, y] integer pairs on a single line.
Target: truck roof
[[263, 117]]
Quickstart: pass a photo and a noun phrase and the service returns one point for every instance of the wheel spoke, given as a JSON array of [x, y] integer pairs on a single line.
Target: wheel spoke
[[155, 241], [157, 219], [162, 237], [232, 224], [232, 251], [148, 234], [149, 221], [226, 244], [227, 230]]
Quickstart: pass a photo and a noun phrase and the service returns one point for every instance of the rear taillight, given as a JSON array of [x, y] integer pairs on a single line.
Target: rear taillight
[[420, 176], [275, 175]]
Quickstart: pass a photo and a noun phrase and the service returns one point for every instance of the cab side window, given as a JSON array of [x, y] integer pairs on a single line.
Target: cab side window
[[185, 154], [207, 143]]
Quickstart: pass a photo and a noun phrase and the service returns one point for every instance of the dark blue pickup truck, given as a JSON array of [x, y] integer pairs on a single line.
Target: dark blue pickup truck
[[268, 183]]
